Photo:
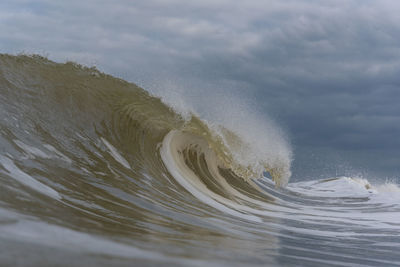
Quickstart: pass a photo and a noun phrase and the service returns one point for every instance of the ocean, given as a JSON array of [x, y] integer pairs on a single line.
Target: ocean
[[96, 171]]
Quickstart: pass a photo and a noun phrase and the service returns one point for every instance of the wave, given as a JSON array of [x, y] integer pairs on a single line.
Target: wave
[[87, 157], [84, 98]]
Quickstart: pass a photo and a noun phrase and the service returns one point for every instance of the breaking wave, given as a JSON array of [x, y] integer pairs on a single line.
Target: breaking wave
[[95, 170]]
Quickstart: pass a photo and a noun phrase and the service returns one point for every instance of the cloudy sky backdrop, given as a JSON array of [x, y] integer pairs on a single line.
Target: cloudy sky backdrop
[[328, 72]]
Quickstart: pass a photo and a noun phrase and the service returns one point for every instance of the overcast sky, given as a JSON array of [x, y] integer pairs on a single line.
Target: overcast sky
[[327, 71]]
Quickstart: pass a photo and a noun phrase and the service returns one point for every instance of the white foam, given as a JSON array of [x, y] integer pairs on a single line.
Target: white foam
[[114, 153], [31, 151], [388, 188], [27, 180], [387, 193], [337, 187], [58, 153]]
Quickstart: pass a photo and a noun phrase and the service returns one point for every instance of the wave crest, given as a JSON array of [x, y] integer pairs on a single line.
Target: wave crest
[[97, 105]]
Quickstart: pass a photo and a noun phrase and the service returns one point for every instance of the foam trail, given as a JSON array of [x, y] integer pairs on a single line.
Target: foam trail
[[27, 180]]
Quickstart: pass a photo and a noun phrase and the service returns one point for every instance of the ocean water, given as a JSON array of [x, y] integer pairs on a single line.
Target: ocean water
[[95, 171]]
